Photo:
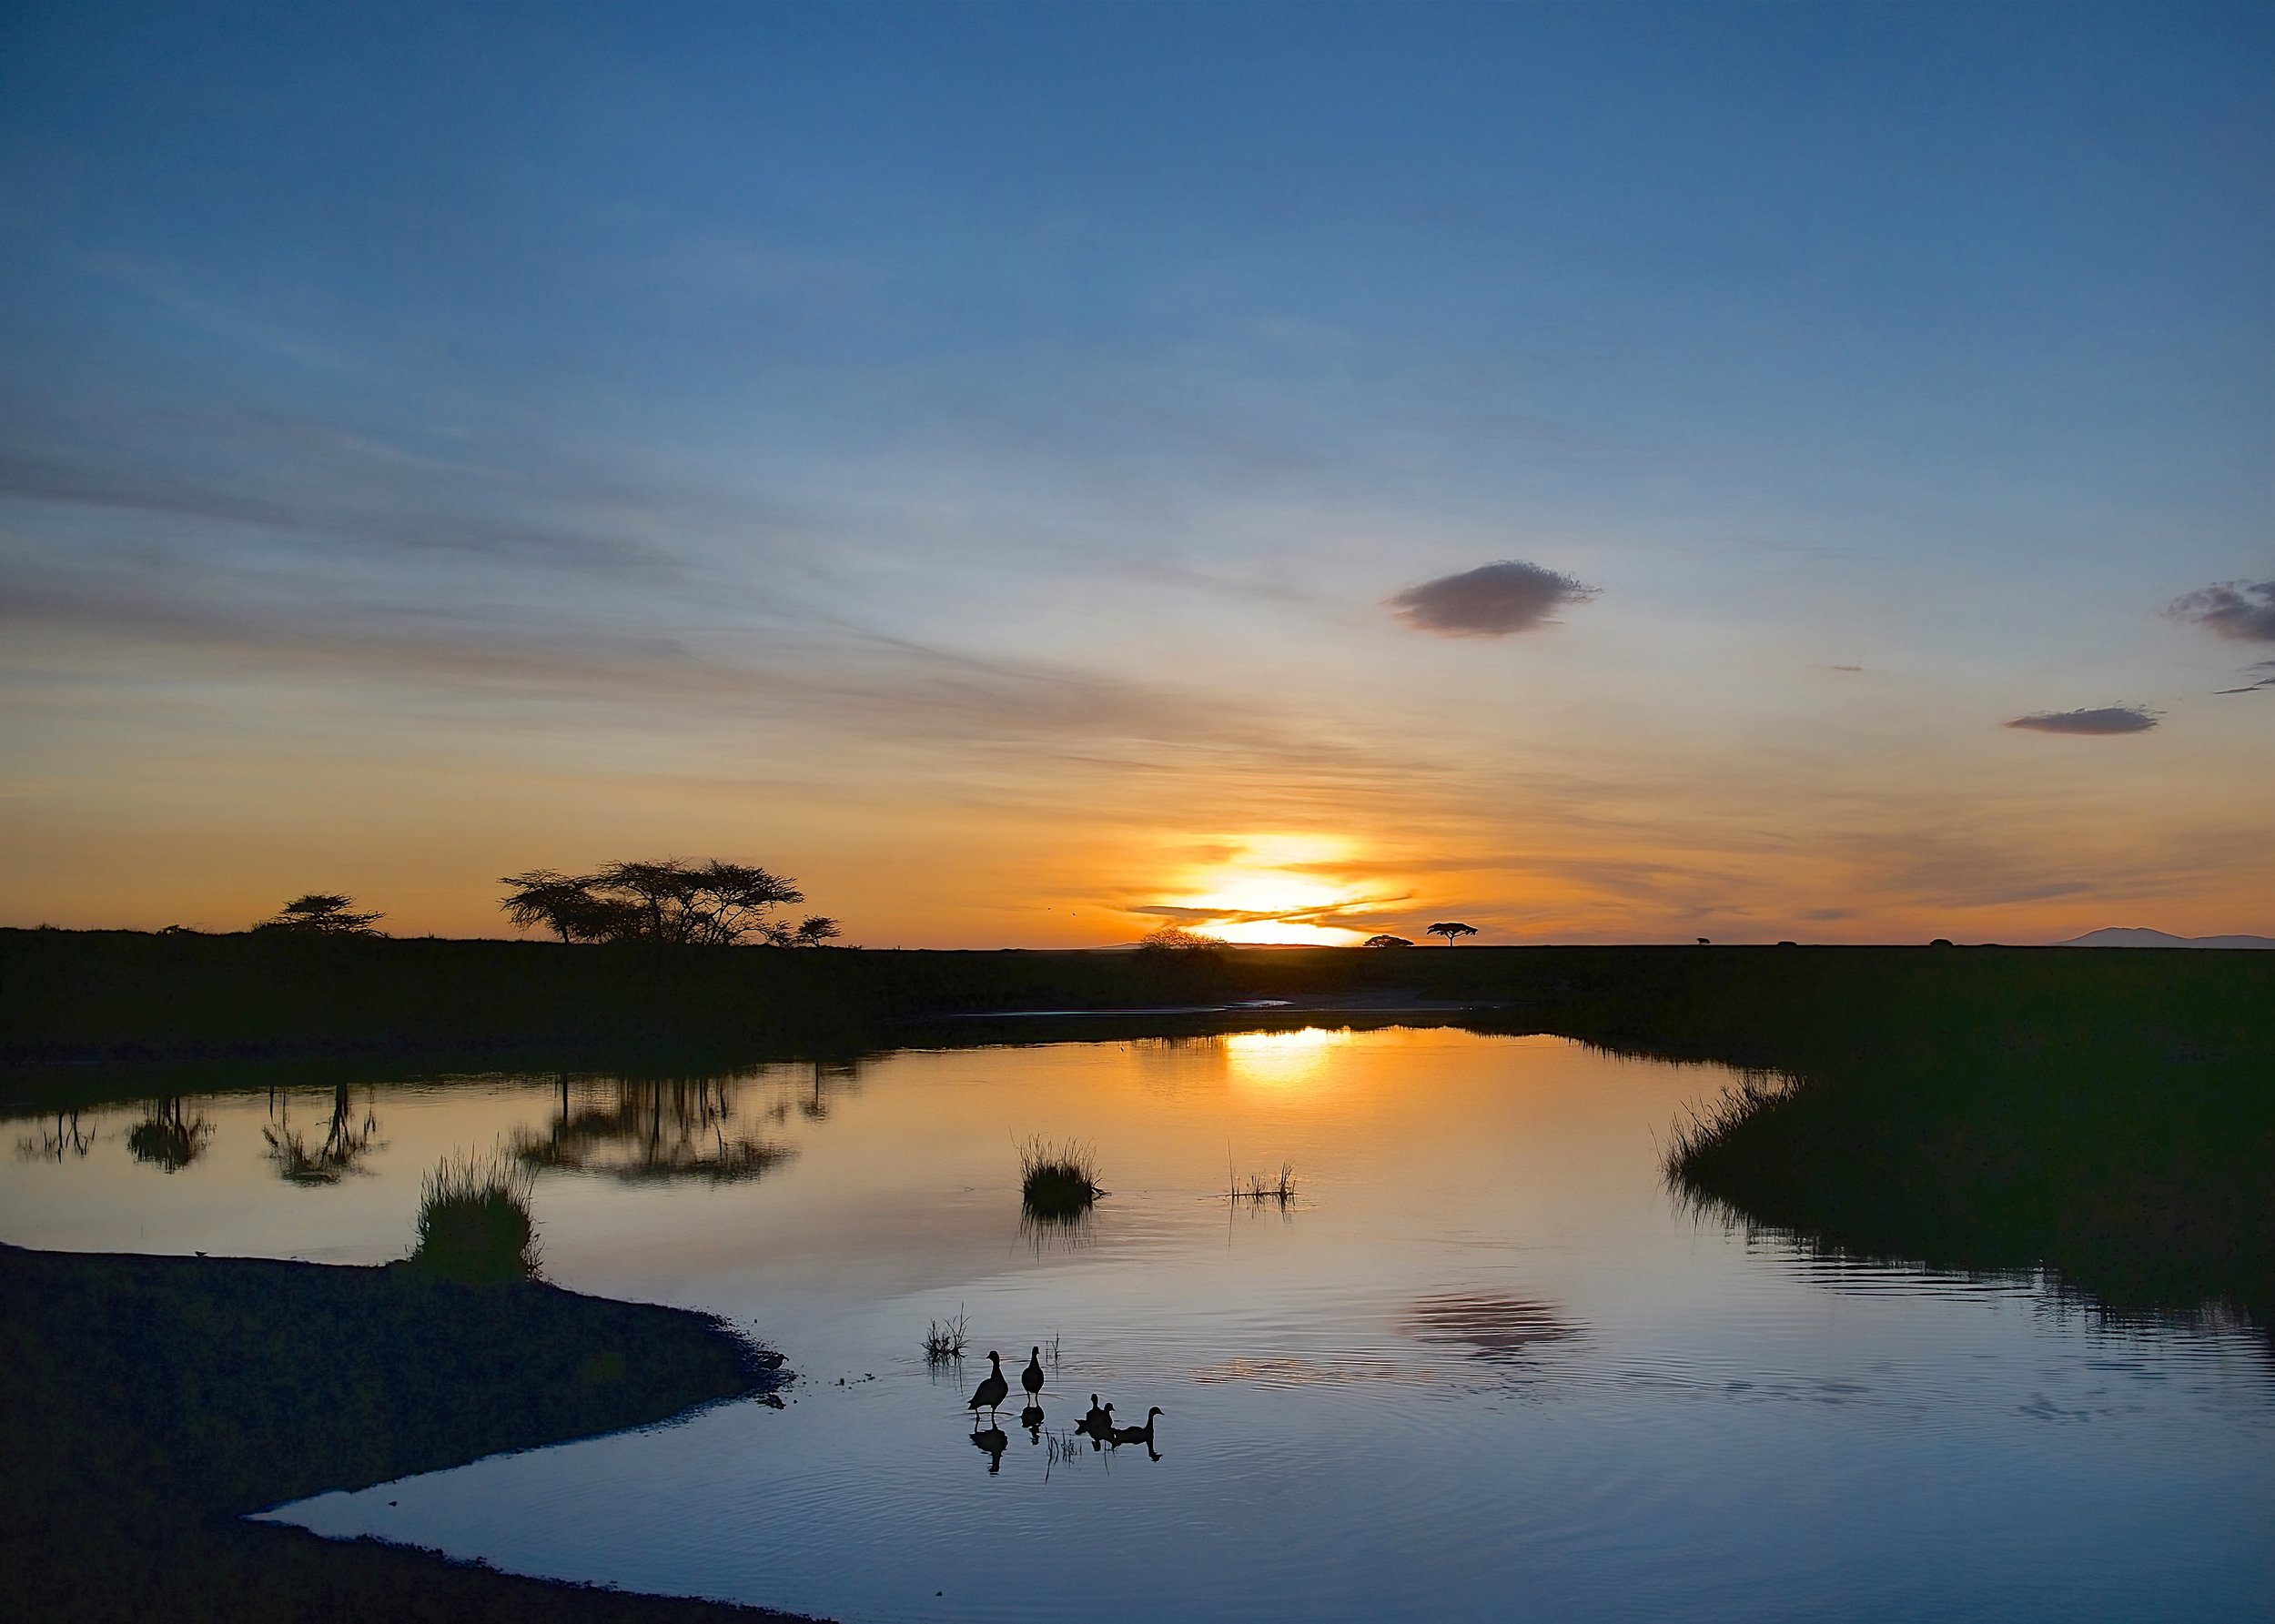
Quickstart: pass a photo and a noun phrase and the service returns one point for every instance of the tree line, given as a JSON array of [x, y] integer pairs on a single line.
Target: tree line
[[689, 905]]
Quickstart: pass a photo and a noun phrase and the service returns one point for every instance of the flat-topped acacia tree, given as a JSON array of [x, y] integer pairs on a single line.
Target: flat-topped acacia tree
[[1451, 928], [322, 913], [706, 904]]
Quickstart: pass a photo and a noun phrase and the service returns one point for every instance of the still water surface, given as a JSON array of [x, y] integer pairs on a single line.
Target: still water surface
[[1485, 1365]]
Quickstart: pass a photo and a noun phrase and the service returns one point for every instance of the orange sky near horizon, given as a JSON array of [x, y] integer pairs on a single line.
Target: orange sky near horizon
[[1091, 860]]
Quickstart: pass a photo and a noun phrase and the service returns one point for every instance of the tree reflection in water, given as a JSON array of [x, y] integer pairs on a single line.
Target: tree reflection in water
[[165, 1138], [829, 1076], [66, 1138], [642, 1128], [346, 1139]]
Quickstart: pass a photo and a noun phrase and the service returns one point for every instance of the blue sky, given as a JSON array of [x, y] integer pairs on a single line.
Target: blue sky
[[962, 455]]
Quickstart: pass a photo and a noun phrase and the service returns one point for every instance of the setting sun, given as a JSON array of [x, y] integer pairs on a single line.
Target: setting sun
[[1270, 889]]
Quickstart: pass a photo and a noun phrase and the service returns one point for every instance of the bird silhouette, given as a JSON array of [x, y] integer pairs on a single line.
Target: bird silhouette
[[1031, 1378], [992, 1389], [1138, 1435], [1099, 1421], [992, 1443]]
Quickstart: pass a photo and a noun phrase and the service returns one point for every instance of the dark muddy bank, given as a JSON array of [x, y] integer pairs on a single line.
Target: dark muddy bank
[[152, 1401]]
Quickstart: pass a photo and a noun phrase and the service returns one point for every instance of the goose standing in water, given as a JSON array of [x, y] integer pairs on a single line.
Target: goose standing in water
[[992, 1389], [1138, 1435], [1031, 1378]]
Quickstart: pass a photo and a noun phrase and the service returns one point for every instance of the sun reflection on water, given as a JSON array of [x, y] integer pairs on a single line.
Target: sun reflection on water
[[1283, 1061]]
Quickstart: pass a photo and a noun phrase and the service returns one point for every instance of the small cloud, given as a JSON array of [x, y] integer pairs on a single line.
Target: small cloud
[[1212, 854], [2110, 719], [2238, 609], [1848, 668], [1492, 600], [2258, 682]]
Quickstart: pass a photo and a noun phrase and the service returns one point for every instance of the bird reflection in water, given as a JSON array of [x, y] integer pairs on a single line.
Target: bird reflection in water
[[1031, 1419], [994, 1442]]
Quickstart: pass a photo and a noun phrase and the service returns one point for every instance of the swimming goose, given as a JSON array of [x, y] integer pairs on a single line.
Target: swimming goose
[[992, 1389], [1139, 1434], [1099, 1421], [1031, 1378]]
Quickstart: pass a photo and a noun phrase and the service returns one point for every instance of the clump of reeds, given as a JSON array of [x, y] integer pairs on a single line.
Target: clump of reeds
[[1257, 1190], [945, 1340], [474, 1221], [1708, 1127], [1057, 1182]]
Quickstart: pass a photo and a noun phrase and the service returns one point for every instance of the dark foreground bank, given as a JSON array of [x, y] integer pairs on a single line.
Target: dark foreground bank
[[152, 1401]]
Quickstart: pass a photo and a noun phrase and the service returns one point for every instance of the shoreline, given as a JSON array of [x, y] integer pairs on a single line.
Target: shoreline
[[154, 1403]]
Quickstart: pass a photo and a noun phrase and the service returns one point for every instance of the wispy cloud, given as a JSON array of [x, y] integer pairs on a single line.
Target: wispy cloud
[[330, 493], [1492, 600], [2258, 683], [1356, 914], [2107, 719], [168, 616], [2242, 610]]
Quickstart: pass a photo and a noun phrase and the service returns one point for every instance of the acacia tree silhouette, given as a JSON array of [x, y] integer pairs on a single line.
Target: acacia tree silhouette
[[322, 913], [1451, 928], [1176, 939], [709, 904]]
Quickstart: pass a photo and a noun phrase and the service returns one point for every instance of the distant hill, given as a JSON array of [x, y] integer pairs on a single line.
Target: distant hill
[[2133, 936]]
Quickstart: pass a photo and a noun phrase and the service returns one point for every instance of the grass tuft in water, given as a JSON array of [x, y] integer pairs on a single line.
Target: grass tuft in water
[[1057, 1182], [474, 1221], [945, 1340], [1258, 1190]]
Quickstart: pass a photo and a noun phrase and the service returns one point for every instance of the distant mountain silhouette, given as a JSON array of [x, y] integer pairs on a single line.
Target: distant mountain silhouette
[[2134, 936]]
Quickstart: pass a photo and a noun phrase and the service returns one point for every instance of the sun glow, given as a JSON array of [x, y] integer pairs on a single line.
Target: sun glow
[[1268, 889]]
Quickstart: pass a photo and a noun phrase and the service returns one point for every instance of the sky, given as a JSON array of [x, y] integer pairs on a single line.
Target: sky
[[1032, 474]]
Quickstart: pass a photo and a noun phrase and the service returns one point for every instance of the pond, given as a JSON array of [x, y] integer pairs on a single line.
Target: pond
[[1482, 1364]]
